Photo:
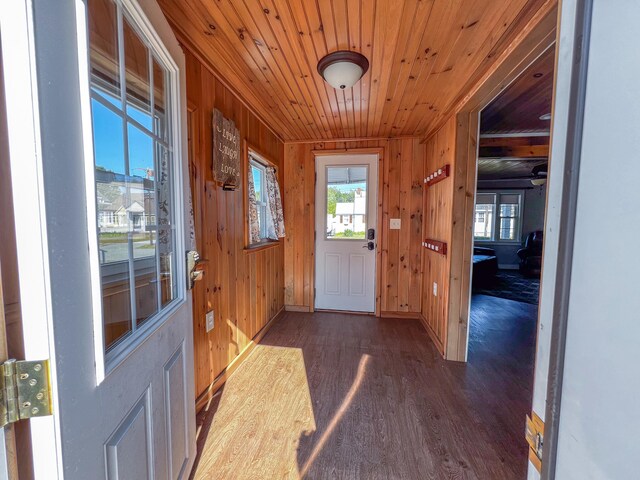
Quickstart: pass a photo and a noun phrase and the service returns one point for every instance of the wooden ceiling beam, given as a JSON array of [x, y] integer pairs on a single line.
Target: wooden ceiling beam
[[514, 151], [510, 141]]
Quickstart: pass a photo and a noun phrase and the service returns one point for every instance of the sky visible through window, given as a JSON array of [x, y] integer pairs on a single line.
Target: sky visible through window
[[109, 144], [348, 187]]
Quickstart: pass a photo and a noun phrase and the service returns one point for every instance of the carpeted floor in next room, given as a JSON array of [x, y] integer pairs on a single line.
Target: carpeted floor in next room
[[512, 285]]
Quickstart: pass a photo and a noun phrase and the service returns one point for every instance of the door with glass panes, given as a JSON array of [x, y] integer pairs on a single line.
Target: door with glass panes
[[108, 221], [346, 236]]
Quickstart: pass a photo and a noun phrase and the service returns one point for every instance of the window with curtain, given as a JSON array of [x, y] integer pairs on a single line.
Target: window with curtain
[[265, 216], [498, 216]]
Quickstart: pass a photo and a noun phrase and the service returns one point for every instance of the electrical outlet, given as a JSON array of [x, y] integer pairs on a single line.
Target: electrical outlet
[[394, 224], [210, 321], [435, 289]]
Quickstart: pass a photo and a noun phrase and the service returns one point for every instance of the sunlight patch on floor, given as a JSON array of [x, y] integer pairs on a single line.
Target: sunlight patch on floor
[[271, 390]]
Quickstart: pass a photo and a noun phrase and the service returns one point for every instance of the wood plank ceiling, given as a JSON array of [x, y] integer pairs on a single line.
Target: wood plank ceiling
[[509, 144], [519, 107], [423, 55]]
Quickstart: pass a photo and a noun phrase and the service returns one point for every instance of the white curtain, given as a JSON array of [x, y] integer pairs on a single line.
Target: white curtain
[[254, 225], [275, 216]]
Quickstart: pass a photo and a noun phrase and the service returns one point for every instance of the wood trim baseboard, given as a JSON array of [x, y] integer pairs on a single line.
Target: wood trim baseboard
[[405, 315], [297, 308], [348, 312], [211, 390], [432, 335]]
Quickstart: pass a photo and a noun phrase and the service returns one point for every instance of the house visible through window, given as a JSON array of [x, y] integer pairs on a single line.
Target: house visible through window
[[498, 216], [346, 202], [133, 152]]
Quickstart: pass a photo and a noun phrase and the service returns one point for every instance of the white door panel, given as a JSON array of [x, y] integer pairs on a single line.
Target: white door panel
[[346, 208], [122, 370]]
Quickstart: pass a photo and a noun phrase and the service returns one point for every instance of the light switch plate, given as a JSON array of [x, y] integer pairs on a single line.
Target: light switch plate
[[435, 289], [210, 321], [394, 224]]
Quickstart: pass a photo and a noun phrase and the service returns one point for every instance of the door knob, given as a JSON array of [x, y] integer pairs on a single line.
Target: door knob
[[369, 246]]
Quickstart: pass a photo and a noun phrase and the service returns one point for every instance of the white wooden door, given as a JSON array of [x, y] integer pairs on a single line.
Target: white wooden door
[[97, 134], [346, 214]]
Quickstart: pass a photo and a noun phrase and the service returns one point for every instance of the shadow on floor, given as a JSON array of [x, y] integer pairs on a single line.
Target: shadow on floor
[[354, 397]]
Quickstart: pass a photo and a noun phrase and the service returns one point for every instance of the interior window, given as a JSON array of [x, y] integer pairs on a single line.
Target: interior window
[[259, 173], [133, 158], [497, 216]]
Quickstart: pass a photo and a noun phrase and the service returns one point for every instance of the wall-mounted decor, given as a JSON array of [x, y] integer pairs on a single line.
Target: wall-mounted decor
[[435, 246], [226, 151], [438, 175]]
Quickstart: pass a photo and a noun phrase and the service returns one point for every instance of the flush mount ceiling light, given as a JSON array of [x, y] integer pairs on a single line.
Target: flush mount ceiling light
[[546, 116], [343, 69]]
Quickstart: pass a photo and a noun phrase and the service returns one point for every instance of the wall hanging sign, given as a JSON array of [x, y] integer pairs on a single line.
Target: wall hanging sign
[[438, 175], [226, 151], [435, 246]]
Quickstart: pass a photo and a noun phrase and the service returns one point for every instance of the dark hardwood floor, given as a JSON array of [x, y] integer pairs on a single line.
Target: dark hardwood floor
[[336, 396]]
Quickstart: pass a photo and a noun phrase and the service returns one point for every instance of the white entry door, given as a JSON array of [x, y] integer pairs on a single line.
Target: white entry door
[[97, 134], [346, 235]]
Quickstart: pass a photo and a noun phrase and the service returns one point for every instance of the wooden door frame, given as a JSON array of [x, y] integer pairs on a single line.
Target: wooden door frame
[[352, 151], [534, 40]]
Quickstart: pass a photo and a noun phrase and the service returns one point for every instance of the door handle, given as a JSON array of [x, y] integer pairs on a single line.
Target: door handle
[[193, 275], [369, 246]]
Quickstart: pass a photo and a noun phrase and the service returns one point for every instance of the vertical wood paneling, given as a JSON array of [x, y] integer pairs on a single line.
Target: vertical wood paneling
[[245, 289], [402, 171], [437, 225]]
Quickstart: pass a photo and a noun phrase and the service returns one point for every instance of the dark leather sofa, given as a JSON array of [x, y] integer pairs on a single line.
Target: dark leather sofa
[[531, 254]]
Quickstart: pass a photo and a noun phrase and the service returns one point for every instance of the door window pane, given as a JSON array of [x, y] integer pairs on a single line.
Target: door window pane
[[159, 101], [103, 36], [346, 203], [133, 161], [111, 192], [138, 77]]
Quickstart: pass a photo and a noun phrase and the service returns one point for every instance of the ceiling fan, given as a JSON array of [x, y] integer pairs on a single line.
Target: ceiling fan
[[538, 175]]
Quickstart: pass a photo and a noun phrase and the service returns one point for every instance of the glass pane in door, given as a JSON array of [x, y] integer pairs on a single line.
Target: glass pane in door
[[111, 192], [134, 182], [346, 203]]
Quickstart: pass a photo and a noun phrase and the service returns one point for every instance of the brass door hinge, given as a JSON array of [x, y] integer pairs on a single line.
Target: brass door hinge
[[534, 433], [25, 390]]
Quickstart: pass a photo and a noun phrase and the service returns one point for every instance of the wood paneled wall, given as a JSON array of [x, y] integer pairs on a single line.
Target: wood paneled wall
[[402, 171], [438, 226], [244, 288]]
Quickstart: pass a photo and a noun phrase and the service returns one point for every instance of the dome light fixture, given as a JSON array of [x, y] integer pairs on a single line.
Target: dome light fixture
[[546, 116], [343, 69]]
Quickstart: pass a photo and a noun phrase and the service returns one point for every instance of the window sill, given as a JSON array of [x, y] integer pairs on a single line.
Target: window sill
[[257, 247], [495, 242]]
